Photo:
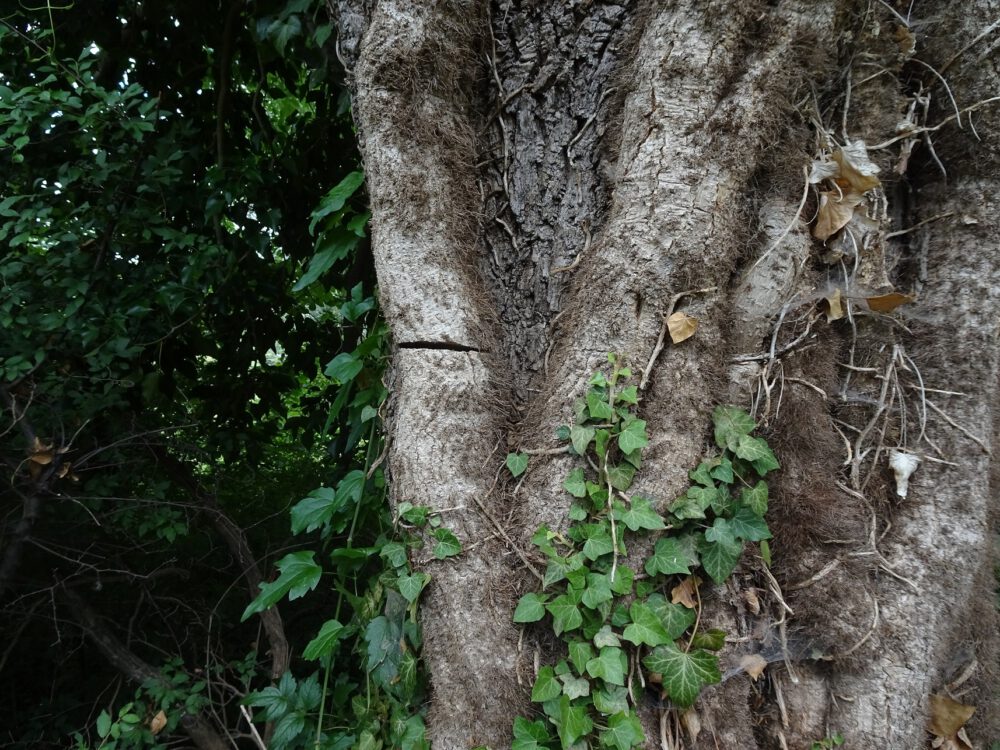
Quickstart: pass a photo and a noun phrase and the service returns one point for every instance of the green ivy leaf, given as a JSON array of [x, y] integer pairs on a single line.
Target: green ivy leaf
[[580, 652], [517, 463], [447, 545], [573, 722], [598, 590], [731, 423], [721, 531], [621, 475], [624, 731], [529, 735], [299, 574], [598, 541], [702, 475], [546, 686], [575, 687], [713, 640], [575, 484], [756, 451], [748, 525], [724, 471], [633, 437], [622, 582], [639, 515], [694, 502], [565, 614], [684, 674], [411, 585], [611, 699], [645, 628], [560, 567], [580, 437], [325, 641], [606, 637], [755, 497], [610, 665], [719, 559], [601, 439], [344, 368], [675, 618], [669, 557], [629, 395], [530, 608], [598, 407]]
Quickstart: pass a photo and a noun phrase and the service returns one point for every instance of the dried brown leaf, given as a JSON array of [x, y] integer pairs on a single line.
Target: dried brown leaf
[[835, 211], [157, 723], [692, 723], [857, 172], [834, 306], [947, 716], [886, 303], [753, 665], [685, 592], [753, 603], [681, 326]]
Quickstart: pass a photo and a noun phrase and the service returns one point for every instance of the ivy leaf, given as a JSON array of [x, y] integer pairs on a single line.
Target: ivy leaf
[[645, 628], [611, 699], [517, 463], [724, 471], [731, 423], [629, 395], [633, 437], [315, 510], [529, 735], [580, 652], [669, 557], [684, 674], [639, 515], [755, 498], [448, 544], [575, 484], [598, 407], [721, 531], [713, 640], [560, 567], [411, 585], [344, 368], [606, 637], [575, 687], [702, 475], [756, 451], [546, 686], [565, 614], [610, 666], [530, 608], [598, 590], [598, 541], [573, 722], [694, 502], [746, 524], [601, 439], [719, 559], [299, 574], [325, 641], [675, 618], [580, 437], [622, 582], [621, 475], [624, 731]]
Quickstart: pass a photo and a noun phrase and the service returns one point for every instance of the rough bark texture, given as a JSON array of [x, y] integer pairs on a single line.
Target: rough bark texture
[[545, 178]]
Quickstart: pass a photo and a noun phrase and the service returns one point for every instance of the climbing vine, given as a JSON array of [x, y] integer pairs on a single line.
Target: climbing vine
[[611, 616]]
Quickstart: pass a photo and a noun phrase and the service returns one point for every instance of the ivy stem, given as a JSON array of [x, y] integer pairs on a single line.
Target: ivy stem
[[322, 701], [697, 619]]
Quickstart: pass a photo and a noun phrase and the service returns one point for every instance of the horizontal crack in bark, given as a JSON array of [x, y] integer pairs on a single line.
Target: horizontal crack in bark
[[446, 345]]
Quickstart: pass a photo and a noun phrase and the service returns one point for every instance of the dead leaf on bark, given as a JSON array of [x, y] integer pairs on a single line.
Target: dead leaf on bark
[[157, 723], [857, 173], [684, 592], [681, 327], [753, 665], [41, 453], [753, 603], [886, 303], [835, 211], [834, 306], [692, 723], [946, 721]]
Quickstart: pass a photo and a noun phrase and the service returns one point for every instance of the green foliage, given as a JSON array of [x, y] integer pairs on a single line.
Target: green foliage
[[585, 588], [834, 740]]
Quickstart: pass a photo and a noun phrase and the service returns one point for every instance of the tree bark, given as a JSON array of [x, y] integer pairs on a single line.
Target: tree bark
[[547, 178]]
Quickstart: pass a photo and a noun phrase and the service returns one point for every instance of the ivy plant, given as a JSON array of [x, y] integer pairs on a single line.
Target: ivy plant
[[608, 614]]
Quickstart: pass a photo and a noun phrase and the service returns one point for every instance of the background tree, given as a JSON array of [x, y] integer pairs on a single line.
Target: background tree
[[182, 228], [550, 180]]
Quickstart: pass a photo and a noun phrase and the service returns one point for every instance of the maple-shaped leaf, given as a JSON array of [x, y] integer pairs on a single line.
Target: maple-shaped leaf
[[684, 674]]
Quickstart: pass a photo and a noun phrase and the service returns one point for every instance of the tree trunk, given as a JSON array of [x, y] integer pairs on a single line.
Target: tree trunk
[[547, 178]]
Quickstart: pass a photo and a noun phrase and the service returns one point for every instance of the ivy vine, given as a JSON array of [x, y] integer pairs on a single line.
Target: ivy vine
[[607, 613]]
